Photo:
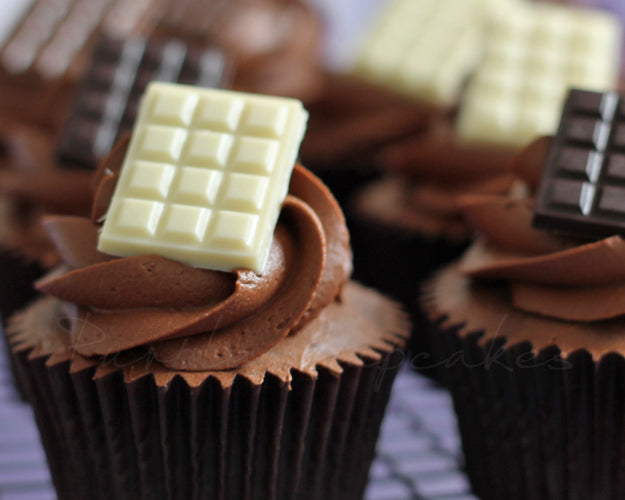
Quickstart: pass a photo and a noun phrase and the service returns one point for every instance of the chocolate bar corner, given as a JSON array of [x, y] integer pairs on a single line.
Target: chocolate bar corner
[[582, 191]]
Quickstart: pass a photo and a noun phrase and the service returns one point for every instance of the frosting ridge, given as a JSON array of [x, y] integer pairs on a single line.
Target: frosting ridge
[[195, 319], [549, 275]]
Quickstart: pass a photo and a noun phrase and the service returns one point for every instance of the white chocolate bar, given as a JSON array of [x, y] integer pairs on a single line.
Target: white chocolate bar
[[204, 177], [424, 48], [533, 55]]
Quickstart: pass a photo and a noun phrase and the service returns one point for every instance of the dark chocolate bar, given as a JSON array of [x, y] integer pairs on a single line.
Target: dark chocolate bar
[[106, 103], [45, 36], [582, 190]]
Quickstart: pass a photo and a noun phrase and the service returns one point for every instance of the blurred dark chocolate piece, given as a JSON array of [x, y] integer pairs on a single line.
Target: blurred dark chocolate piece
[[45, 44], [106, 103], [582, 191]]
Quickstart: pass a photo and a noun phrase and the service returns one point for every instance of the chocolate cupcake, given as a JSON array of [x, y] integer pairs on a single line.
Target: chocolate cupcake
[[406, 224], [528, 324], [510, 98], [156, 379]]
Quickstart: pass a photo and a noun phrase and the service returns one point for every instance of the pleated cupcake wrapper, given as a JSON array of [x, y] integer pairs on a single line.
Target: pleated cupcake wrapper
[[536, 426], [396, 263], [17, 275], [106, 438]]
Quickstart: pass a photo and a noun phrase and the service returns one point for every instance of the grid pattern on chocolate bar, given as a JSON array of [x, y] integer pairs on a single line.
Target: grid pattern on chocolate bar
[[424, 48], [106, 105], [204, 177], [50, 33], [532, 56], [582, 191]]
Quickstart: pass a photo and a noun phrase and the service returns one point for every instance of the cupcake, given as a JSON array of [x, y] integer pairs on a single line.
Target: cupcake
[[528, 325], [151, 378], [513, 95]]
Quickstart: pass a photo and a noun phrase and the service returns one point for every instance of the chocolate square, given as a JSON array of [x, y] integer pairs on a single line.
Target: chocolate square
[[107, 101], [582, 191]]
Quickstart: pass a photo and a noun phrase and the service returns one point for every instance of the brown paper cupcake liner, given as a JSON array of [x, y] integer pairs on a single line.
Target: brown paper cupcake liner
[[110, 437], [536, 425], [396, 262], [17, 275]]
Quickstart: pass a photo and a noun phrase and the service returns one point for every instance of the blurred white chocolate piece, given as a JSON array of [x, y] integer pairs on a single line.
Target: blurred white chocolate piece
[[425, 48], [533, 55]]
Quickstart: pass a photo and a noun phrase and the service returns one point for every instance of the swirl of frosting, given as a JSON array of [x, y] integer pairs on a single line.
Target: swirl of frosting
[[428, 172], [549, 275], [198, 319]]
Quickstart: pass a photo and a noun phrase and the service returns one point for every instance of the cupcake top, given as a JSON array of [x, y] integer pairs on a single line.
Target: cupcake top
[[506, 74], [151, 314], [150, 300], [530, 285]]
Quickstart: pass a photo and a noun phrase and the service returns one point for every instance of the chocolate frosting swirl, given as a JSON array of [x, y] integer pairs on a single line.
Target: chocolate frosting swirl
[[437, 168], [197, 319], [426, 173], [548, 275]]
